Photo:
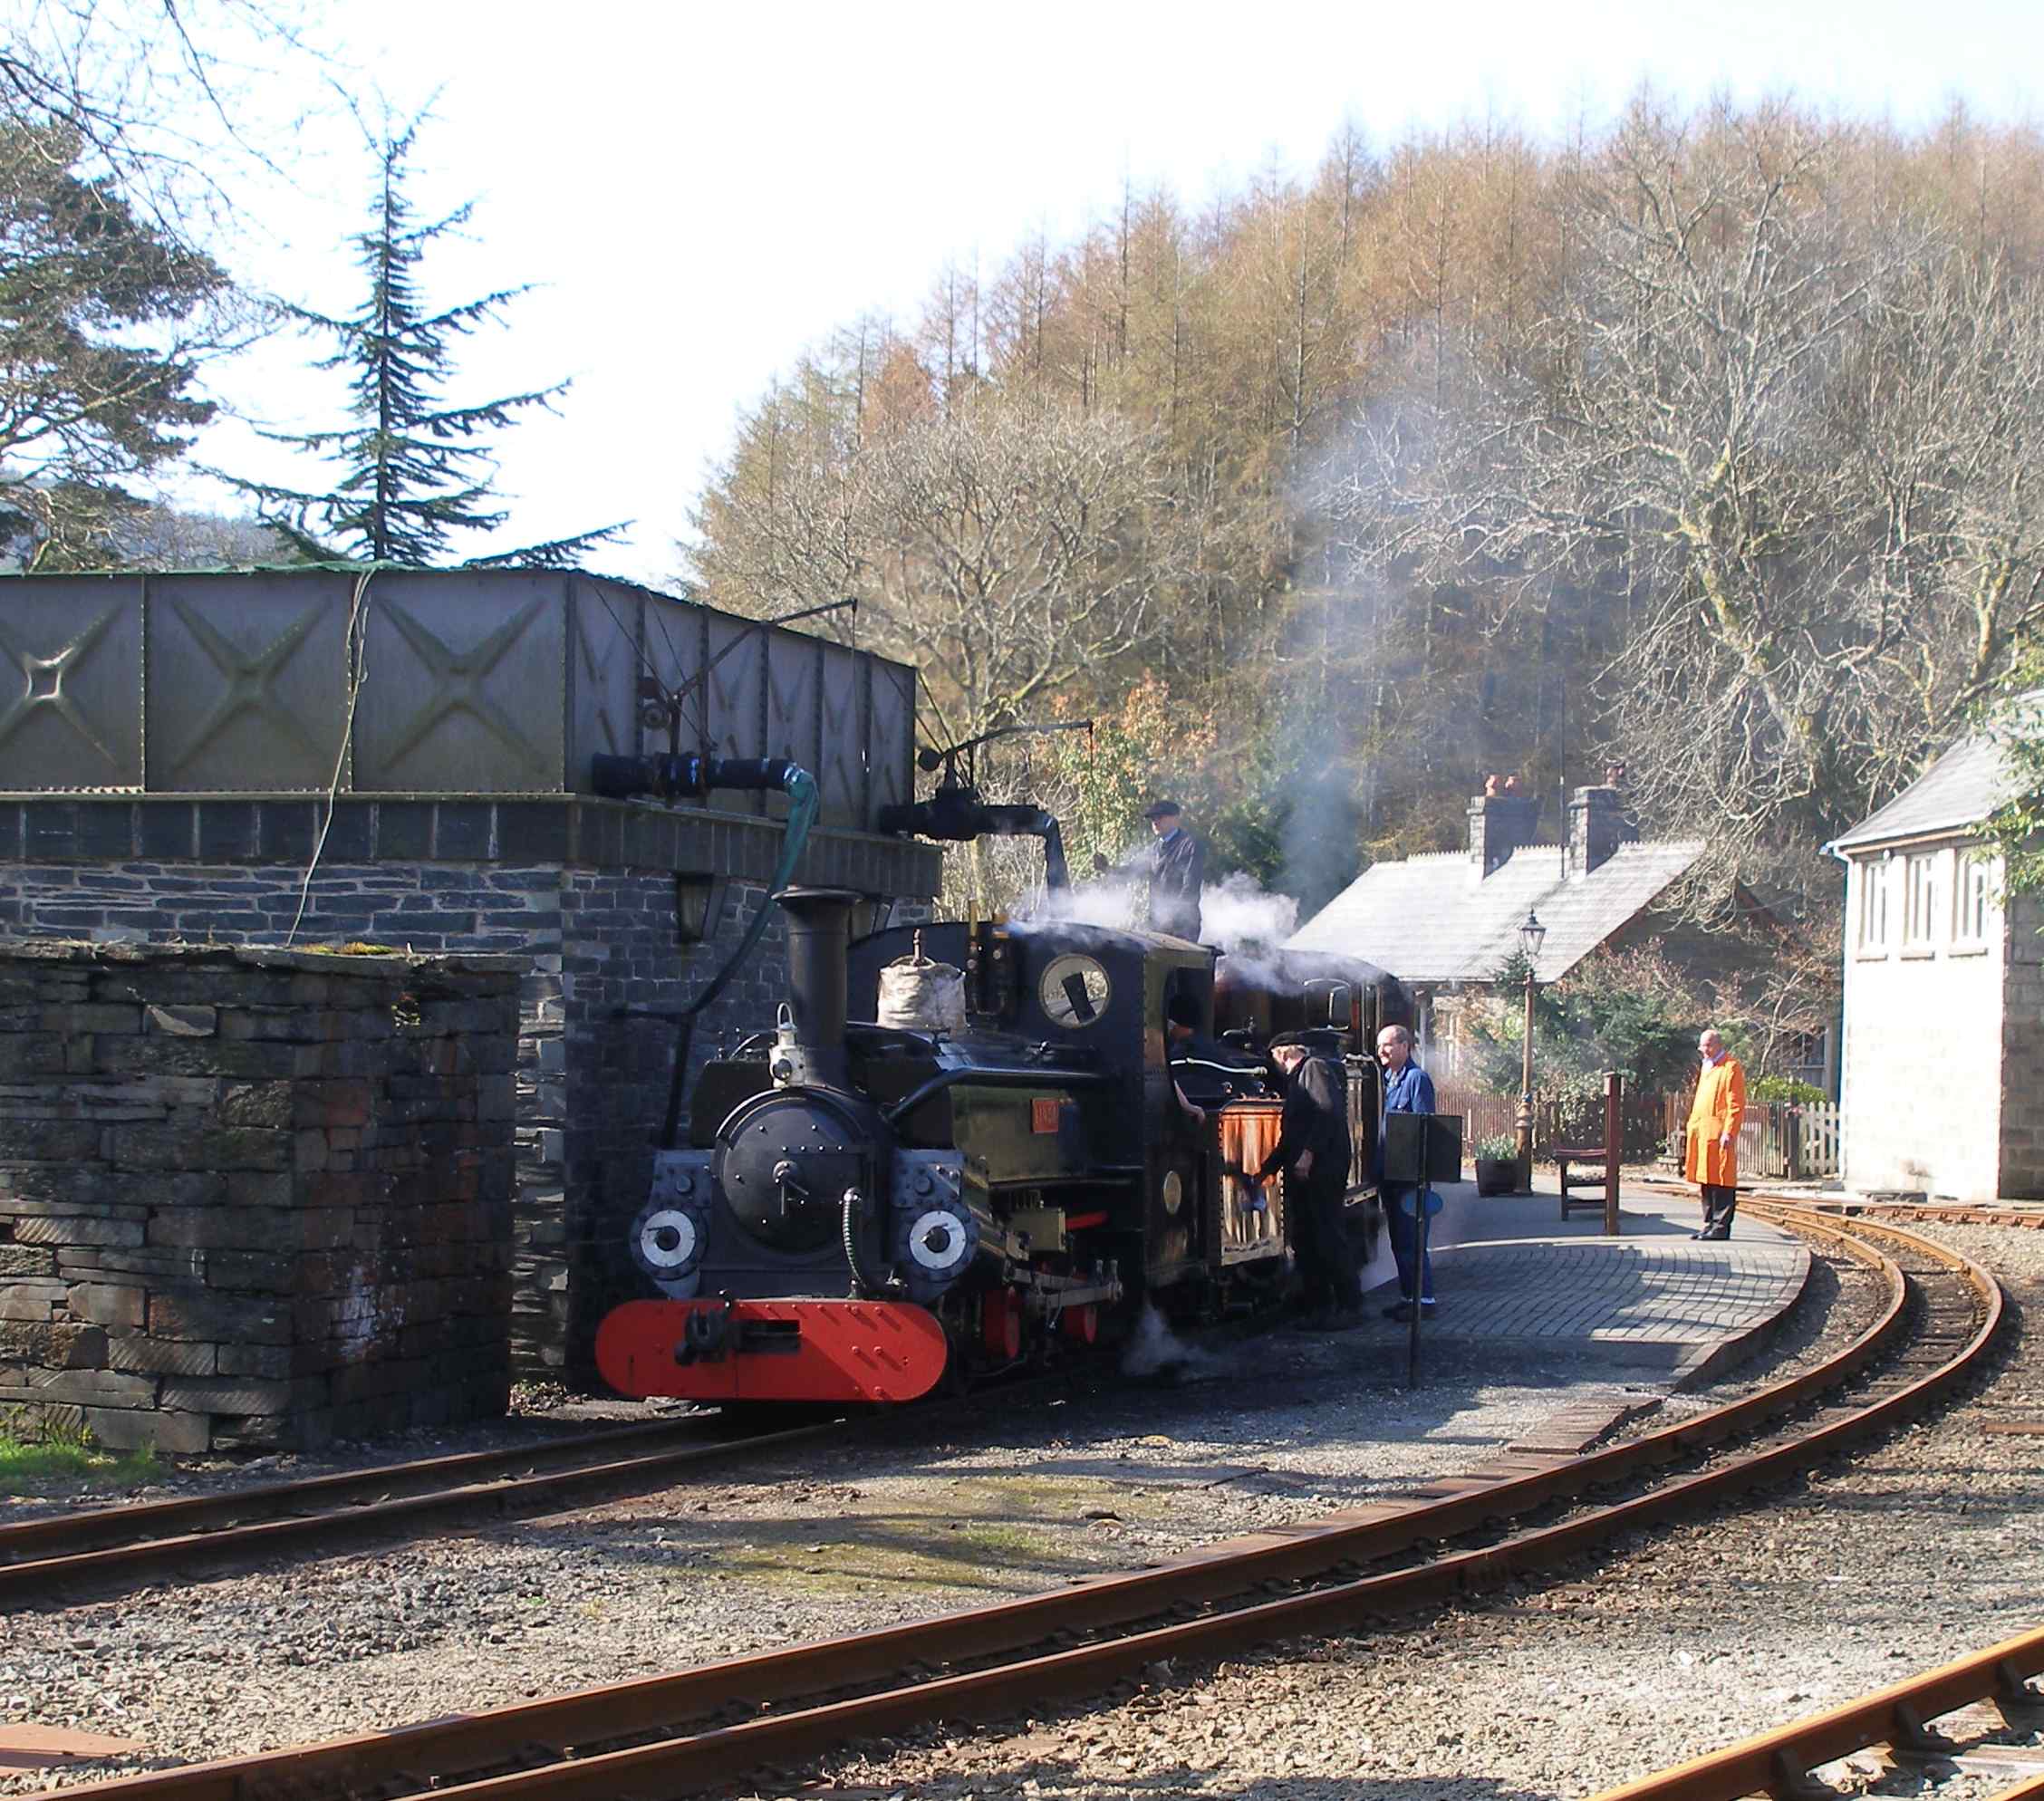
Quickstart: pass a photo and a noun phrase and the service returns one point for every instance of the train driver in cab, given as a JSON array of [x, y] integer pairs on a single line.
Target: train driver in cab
[[1209, 1073]]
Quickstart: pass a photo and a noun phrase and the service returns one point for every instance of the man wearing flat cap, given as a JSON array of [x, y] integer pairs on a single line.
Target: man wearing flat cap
[[1178, 863], [1313, 1151]]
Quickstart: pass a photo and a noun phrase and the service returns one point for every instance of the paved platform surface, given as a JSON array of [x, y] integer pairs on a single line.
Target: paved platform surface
[[1510, 1274]]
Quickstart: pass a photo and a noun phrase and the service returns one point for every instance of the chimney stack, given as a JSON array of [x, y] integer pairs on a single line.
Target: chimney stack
[[1598, 824], [1501, 819]]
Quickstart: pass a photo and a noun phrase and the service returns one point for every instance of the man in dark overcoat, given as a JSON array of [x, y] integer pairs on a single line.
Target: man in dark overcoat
[[1313, 1151], [1178, 865]]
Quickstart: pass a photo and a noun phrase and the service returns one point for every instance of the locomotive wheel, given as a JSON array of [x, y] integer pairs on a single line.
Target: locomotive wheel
[[1000, 1324]]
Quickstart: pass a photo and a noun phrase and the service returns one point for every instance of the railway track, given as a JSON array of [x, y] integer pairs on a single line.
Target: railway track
[[668, 1734], [40, 1559], [1902, 1717], [1961, 1213], [2019, 1214]]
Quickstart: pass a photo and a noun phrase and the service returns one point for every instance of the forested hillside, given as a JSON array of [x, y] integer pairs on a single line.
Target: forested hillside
[[1706, 443]]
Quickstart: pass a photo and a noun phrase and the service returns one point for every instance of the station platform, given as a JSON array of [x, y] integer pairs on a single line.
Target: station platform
[[1511, 1277]]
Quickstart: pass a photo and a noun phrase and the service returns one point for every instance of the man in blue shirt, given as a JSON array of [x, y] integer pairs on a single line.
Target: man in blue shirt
[[1407, 1089]]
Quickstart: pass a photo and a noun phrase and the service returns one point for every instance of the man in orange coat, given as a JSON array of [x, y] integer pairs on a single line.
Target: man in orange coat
[[1712, 1158]]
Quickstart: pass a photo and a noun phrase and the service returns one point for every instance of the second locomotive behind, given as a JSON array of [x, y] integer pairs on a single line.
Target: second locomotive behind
[[961, 1145]]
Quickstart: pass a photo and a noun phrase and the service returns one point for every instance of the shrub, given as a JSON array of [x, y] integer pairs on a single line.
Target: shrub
[[1631, 1011], [1500, 1147], [1786, 1089]]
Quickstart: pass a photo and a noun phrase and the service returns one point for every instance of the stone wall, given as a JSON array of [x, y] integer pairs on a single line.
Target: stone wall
[[254, 1197], [2022, 1051], [599, 944]]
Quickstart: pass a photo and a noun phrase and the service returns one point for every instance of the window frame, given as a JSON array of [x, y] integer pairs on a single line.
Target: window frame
[[1872, 909], [1919, 903], [1972, 894]]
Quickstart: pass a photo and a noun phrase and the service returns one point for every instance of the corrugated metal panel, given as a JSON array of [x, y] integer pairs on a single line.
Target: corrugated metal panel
[[607, 635], [71, 684], [246, 673], [841, 766], [463, 691], [892, 712], [795, 669], [475, 681], [736, 699], [674, 654]]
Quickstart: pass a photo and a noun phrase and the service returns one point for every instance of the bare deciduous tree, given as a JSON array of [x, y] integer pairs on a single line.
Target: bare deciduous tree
[[1011, 551]]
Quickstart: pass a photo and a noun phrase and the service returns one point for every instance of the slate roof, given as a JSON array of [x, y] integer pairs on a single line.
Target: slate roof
[[1966, 785], [1959, 790], [1429, 920]]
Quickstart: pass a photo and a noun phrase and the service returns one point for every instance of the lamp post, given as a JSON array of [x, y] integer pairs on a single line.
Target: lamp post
[[1531, 936]]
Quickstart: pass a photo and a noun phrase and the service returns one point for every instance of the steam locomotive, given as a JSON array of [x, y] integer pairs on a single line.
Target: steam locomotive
[[965, 1146]]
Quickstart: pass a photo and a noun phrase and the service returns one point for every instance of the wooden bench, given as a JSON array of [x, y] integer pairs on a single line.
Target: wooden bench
[[1577, 1190]]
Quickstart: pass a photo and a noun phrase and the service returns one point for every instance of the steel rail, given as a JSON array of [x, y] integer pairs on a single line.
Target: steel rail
[[2019, 1214], [89, 1546], [442, 1752], [1779, 1762], [1957, 1212]]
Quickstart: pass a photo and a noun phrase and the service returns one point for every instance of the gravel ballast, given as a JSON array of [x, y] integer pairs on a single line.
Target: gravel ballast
[[1924, 1550]]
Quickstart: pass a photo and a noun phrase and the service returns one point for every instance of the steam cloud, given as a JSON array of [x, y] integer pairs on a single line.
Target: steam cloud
[[1234, 913], [1155, 1350]]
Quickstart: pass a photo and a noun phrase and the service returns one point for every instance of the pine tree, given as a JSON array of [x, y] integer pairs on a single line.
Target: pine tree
[[415, 472], [106, 323]]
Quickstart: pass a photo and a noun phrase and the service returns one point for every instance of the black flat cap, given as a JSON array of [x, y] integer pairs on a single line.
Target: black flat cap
[[1162, 809]]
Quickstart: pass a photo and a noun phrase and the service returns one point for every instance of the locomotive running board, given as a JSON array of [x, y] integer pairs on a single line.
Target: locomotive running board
[[819, 1351]]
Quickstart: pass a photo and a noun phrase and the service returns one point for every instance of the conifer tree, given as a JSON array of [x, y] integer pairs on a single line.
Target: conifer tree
[[415, 472], [106, 323]]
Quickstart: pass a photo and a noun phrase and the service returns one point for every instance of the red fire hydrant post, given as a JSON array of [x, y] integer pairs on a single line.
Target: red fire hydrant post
[[1613, 1147]]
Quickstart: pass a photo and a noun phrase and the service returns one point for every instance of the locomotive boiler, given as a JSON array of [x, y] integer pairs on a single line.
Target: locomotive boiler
[[962, 1146]]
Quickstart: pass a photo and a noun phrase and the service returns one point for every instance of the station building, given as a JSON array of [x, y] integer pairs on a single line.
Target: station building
[[1942, 1090]]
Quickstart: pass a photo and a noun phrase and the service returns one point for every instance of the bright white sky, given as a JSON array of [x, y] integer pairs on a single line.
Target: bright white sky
[[704, 189]]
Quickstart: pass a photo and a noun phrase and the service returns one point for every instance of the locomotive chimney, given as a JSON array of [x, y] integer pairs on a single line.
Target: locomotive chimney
[[819, 926]]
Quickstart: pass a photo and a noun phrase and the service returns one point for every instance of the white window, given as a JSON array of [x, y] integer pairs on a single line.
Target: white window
[[1972, 897], [1873, 908], [1920, 894]]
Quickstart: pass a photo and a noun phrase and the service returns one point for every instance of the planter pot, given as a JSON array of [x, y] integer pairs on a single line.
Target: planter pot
[[1496, 1175]]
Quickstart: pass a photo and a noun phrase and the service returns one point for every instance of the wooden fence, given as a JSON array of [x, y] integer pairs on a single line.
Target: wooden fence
[[1777, 1139]]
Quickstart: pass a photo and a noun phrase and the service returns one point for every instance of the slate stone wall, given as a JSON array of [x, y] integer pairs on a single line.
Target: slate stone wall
[[584, 894], [2023, 1050], [254, 1197]]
